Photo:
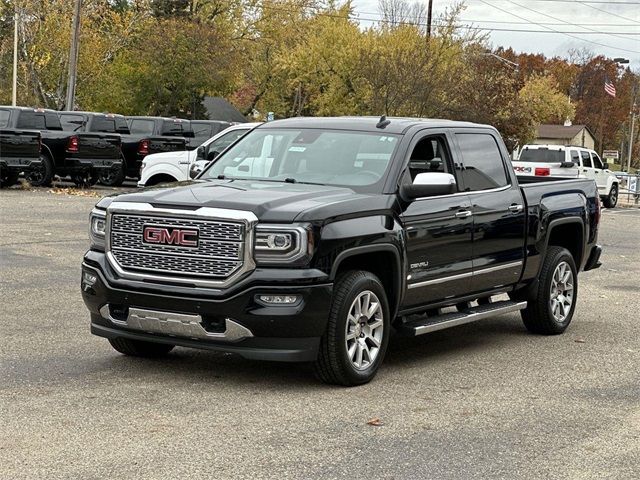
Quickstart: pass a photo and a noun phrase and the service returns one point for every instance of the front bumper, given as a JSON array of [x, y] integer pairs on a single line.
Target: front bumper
[[282, 333]]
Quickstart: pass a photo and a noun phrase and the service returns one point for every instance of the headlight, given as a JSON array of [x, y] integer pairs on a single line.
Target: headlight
[[97, 228], [282, 244]]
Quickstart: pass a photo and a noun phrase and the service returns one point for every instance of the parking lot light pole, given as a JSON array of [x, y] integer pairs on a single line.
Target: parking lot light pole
[[73, 57], [620, 61]]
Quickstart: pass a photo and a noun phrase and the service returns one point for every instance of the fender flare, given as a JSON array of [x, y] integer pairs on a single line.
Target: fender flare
[[162, 169], [398, 287]]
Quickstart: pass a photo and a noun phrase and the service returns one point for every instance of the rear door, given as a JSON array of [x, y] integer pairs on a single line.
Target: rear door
[[438, 229], [497, 205]]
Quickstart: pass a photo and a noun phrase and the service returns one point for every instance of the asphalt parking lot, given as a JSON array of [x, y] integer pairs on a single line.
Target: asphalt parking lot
[[485, 400]]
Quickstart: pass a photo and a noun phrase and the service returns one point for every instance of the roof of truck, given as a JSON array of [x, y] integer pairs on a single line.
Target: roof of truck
[[396, 124]]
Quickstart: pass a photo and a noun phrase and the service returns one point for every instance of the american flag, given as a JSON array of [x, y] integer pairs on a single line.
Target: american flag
[[609, 87]]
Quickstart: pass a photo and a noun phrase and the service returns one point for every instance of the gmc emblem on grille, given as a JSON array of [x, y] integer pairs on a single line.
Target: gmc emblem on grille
[[170, 236]]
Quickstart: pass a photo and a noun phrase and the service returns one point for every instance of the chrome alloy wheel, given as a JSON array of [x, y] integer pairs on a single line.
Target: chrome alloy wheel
[[561, 297], [364, 330]]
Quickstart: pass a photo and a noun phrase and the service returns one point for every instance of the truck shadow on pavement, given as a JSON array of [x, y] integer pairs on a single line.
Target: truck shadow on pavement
[[206, 367]]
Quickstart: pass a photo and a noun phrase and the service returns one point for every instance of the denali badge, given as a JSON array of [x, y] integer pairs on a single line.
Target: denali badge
[[170, 236]]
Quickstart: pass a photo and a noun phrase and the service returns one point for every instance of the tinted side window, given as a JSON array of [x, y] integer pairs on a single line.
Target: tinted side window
[[586, 159], [71, 122], [429, 155], [173, 128], [483, 165], [28, 119], [139, 126], [596, 161], [4, 118], [201, 129]]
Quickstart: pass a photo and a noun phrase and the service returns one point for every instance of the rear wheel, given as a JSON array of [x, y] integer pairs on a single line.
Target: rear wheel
[[611, 200], [357, 334], [114, 177], [138, 348], [550, 311], [41, 175], [8, 178]]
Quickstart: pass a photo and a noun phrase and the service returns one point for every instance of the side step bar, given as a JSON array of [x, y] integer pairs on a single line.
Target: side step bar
[[424, 324]]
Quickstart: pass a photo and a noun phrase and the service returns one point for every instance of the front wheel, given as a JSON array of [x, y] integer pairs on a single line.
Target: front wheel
[[611, 200], [550, 311], [114, 177], [84, 180], [357, 334]]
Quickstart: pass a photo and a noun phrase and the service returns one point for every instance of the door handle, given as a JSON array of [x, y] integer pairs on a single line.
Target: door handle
[[463, 214], [515, 208]]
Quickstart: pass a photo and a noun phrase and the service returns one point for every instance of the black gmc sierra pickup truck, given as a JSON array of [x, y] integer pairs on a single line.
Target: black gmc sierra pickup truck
[[309, 239]]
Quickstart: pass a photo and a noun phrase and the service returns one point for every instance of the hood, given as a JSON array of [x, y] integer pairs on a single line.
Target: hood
[[168, 157], [269, 201]]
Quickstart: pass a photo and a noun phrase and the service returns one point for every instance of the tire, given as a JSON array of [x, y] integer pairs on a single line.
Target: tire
[[42, 175], [545, 314], [611, 200], [8, 178], [138, 348], [84, 180], [335, 364], [114, 177]]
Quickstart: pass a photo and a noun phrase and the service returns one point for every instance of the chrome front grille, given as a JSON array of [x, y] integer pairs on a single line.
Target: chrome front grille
[[221, 250]]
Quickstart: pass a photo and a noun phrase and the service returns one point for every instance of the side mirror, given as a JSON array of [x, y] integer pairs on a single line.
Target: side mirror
[[605, 166], [212, 155], [567, 165], [195, 170], [429, 184], [200, 153]]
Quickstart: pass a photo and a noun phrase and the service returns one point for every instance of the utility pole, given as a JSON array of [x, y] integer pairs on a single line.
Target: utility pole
[[73, 57], [633, 124], [14, 96], [429, 11]]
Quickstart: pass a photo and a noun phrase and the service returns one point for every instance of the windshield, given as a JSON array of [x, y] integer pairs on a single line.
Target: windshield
[[542, 155], [327, 157]]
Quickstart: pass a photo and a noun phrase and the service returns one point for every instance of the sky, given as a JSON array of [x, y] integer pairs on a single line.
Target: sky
[[620, 19]]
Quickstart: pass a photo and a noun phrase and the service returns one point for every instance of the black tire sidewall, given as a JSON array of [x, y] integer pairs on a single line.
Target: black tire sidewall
[[561, 255], [612, 203], [47, 169], [364, 281]]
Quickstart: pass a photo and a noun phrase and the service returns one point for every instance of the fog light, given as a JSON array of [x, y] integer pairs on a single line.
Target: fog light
[[89, 279], [279, 299]]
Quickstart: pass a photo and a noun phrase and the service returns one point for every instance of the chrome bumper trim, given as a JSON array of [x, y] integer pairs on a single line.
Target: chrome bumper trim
[[176, 325]]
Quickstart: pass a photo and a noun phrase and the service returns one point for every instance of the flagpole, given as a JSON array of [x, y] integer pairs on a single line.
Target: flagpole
[[633, 124]]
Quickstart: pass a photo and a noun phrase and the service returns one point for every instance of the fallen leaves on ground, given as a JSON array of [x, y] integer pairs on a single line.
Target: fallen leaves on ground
[[375, 422], [580, 340], [78, 192]]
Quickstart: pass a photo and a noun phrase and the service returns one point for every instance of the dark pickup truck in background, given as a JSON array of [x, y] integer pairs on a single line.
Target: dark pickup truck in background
[[203, 130], [82, 156], [309, 239], [19, 150]]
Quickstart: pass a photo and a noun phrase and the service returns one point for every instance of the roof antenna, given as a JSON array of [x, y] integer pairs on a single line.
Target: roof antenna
[[383, 122]]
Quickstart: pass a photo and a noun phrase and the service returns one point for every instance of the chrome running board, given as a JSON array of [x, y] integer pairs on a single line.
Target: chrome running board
[[425, 324]]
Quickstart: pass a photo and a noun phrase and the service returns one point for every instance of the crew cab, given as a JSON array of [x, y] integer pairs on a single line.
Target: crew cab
[[19, 150], [309, 239], [203, 130], [82, 156], [178, 166], [569, 162]]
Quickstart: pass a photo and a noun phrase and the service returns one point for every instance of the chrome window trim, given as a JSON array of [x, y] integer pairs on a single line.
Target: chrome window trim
[[203, 213], [470, 192], [436, 281]]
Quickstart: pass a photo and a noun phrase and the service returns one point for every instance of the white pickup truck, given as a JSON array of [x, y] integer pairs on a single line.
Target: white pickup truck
[[569, 162], [175, 166]]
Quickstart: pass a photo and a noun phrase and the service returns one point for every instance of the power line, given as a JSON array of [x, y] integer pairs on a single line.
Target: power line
[[560, 19], [623, 2], [558, 31], [586, 4]]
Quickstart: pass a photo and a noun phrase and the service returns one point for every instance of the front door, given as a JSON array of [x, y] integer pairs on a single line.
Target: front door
[[438, 229]]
